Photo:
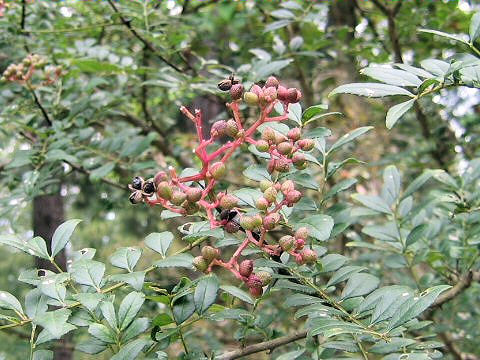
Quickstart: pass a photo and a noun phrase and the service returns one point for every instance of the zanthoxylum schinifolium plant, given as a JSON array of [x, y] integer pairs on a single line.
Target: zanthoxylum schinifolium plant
[[268, 236]]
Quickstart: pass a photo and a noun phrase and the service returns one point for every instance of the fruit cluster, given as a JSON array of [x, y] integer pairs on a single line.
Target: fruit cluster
[[193, 194], [23, 72]]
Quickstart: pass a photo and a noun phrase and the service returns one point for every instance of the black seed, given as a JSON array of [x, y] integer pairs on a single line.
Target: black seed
[[149, 187], [225, 85], [137, 182]]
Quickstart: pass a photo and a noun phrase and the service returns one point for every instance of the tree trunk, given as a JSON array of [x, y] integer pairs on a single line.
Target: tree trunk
[[48, 214]]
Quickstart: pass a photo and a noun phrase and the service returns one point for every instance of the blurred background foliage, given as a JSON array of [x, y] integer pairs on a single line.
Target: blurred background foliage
[[129, 65]]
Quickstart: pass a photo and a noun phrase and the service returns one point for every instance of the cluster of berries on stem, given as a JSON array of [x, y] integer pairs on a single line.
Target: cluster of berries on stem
[[179, 195], [32, 64]]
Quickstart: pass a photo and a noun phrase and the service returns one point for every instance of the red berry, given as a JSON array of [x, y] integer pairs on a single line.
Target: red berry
[[282, 93], [254, 281], [272, 82], [268, 134], [287, 186], [218, 129], [294, 134], [245, 268], [256, 292], [309, 256], [299, 244], [271, 220], [231, 227], [236, 91], [293, 196], [292, 95], [284, 148], [301, 233], [159, 177], [298, 160], [282, 165], [306, 144]]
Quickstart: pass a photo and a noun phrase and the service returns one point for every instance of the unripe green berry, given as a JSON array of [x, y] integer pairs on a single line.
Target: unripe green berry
[[200, 263], [265, 184], [262, 145], [265, 277], [270, 194], [247, 222], [228, 202], [245, 268], [287, 242], [218, 170], [279, 138], [257, 220], [191, 208], [285, 148], [209, 253], [178, 197], [250, 98], [193, 194], [232, 128], [309, 256], [262, 204], [164, 190]]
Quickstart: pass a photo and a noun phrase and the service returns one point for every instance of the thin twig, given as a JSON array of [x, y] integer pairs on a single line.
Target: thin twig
[[148, 44], [266, 345]]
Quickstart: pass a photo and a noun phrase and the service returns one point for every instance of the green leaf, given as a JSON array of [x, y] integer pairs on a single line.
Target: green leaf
[[88, 272], [238, 293], [205, 293], [10, 302], [295, 113], [58, 154], [391, 184], [301, 300], [45, 335], [257, 173], [102, 333], [62, 235], [159, 242], [332, 262], [134, 279], [262, 71], [414, 70], [162, 320], [350, 137], [373, 90], [343, 274], [416, 234], [108, 312], [414, 306], [417, 183], [435, 66], [89, 300], [35, 303], [359, 284], [131, 350], [102, 171], [53, 321], [474, 30], [129, 308], [385, 232], [373, 202], [180, 260], [39, 248], [394, 344], [397, 111], [43, 355], [339, 187], [318, 132], [95, 66], [183, 308], [126, 258], [282, 14], [444, 34], [291, 355], [319, 226], [313, 111], [248, 196], [392, 76], [137, 327]]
